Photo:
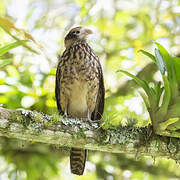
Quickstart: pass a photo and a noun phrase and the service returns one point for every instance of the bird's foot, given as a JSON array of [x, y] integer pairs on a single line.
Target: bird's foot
[[94, 123], [65, 116]]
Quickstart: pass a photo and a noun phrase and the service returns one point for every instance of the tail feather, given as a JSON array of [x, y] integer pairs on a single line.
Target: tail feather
[[78, 160]]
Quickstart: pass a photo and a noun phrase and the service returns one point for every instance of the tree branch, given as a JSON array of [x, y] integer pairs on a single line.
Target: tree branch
[[37, 127]]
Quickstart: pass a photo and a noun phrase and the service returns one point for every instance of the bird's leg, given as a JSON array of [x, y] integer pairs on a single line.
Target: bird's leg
[[65, 114], [90, 120], [89, 116]]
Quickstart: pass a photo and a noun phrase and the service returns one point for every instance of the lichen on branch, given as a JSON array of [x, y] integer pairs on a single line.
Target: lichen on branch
[[55, 130]]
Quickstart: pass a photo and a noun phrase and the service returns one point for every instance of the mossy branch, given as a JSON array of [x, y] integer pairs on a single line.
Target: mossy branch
[[37, 127]]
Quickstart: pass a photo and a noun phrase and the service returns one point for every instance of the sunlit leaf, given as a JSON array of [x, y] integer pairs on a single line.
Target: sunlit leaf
[[167, 95], [174, 110], [177, 67], [7, 26], [166, 59], [174, 126], [171, 74], [5, 62], [12, 71], [159, 91], [152, 57], [10, 46], [145, 99], [28, 35], [22, 43], [141, 83], [160, 62]]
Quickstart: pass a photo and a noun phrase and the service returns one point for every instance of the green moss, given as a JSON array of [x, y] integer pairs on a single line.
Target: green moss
[[55, 118], [37, 117], [19, 119], [15, 116], [79, 134]]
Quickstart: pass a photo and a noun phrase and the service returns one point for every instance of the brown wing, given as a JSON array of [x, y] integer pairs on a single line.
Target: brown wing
[[58, 87], [99, 109]]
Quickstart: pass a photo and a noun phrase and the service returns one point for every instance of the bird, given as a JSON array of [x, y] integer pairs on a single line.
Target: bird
[[79, 87]]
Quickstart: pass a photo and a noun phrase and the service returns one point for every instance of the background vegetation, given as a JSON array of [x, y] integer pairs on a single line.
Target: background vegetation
[[27, 78]]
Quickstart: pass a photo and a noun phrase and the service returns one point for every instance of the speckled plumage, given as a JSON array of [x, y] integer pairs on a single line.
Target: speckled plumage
[[79, 89]]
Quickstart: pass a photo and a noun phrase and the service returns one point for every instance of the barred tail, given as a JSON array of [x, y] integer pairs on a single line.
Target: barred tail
[[78, 160]]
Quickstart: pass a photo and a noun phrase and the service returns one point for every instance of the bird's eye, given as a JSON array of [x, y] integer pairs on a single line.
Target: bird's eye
[[77, 32]]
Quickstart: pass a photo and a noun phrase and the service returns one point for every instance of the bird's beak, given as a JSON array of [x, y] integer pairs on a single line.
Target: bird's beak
[[85, 33], [88, 31]]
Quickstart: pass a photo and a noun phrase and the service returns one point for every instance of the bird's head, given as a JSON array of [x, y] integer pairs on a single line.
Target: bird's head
[[76, 34]]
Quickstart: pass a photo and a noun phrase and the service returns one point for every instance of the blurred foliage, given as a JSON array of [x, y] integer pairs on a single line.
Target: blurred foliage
[[27, 79], [163, 100]]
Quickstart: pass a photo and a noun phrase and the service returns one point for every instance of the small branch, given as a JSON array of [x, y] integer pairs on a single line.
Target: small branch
[[37, 127]]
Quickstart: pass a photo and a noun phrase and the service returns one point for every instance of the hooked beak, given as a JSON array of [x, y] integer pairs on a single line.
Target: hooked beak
[[86, 31]]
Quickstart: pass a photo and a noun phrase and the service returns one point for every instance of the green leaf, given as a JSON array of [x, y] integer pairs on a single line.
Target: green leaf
[[160, 62], [145, 99], [165, 57], [174, 110], [5, 62], [143, 84], [168, 124], [171, 73], [22, 43], [10, 46], [8, 26], [177, 68], [139, 81], [174, 126], [13, 71], [159, 91], [152, 57], [166, 97]]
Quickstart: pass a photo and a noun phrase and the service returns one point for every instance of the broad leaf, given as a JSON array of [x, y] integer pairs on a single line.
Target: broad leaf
[[174, 111], [177, 68], [166, 97], [171, 74], [160, 62], [145, 99], [174, 126]]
